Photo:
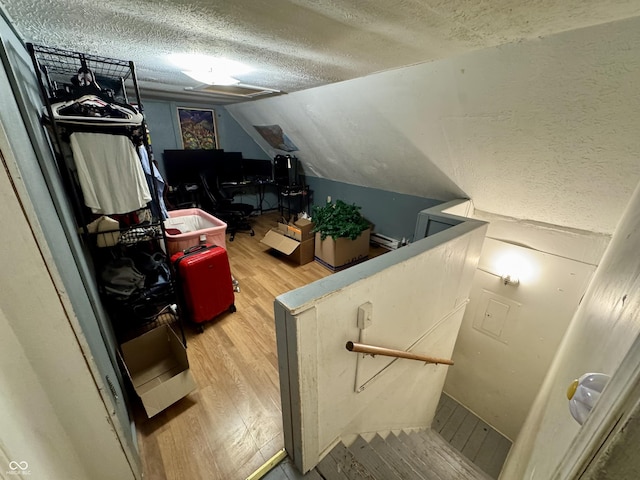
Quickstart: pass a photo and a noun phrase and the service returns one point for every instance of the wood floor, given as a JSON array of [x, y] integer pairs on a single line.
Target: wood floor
[[232, 424]]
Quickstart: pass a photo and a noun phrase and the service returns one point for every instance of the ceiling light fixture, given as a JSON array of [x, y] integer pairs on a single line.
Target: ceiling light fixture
[[211, 78], [210, 70]]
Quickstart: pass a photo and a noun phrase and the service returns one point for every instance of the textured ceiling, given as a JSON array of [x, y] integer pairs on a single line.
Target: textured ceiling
[[295, 44], [543, 129], [540, 128]]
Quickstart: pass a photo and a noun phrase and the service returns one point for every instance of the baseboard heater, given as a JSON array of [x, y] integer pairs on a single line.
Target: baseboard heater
[[384, 241]]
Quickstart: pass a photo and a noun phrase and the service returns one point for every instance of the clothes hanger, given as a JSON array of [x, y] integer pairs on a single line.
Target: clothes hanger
[[90, 104]]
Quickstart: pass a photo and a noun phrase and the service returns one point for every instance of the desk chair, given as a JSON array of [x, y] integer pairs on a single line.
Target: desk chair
[[234, 214]]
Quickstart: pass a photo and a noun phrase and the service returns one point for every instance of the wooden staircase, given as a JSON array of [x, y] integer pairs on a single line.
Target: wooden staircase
[[421, 455]]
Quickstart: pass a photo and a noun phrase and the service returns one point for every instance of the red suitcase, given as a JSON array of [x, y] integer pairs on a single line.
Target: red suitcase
[[205, 277]]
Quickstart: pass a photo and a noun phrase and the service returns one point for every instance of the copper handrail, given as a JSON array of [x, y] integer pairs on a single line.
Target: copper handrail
[[389, 352]]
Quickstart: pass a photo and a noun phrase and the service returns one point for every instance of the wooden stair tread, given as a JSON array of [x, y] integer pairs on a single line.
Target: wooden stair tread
[[423, 455], [419, 462], [445, 458], [371, 460], [438, 463], [395, 460], [340, 464]]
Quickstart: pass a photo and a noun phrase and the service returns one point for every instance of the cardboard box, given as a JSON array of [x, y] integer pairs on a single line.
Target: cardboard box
[[158, 367], [300, 230], [305, 226], [343, 252], [298, 252]]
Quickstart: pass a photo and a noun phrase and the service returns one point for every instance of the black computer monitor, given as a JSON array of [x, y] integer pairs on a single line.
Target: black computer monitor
[[229, 167], [258, 169], [185, 166]]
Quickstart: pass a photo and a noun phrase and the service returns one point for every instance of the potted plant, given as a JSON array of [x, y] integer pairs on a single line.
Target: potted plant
[[342, 234]]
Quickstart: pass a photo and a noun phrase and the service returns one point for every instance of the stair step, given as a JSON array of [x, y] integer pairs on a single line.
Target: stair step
[[484, 446], [423, 455], [340, 464], [395, 460], [371, 460], [437, 462], [418, 462], [444, 459], [492, 453], [285, 470]]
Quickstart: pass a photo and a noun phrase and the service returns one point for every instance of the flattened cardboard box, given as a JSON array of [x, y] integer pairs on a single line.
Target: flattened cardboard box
[[299, 252], [342, 252], [158, 367]]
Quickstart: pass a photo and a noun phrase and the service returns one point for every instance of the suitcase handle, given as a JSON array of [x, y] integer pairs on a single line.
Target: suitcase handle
[[189, 250]]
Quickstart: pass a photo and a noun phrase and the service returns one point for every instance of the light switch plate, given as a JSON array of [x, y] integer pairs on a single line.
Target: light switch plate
[[365, 314]]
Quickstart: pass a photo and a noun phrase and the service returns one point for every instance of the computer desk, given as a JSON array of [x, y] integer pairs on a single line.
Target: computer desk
[[293, 193], [258, 185]]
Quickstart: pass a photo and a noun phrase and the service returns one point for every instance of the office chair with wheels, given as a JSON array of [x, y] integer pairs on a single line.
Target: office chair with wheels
[[234, 214]]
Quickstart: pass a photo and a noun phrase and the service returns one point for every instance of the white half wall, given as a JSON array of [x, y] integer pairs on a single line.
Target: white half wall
[[542, 129], [604, 327], [418, 295]]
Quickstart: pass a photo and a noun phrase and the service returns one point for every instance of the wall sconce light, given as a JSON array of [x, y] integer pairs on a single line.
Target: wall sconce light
[[584, 392], [514, 267]]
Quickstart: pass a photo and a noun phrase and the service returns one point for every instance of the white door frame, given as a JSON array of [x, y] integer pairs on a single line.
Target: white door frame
[[617, 404], [113, 425]]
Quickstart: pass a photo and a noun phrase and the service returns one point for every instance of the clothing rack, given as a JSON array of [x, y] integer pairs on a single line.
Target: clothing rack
[[98, 86], [55, 65]]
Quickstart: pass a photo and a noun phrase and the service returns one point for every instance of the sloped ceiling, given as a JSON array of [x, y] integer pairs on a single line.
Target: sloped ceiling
[[497, 103], [544, 129]]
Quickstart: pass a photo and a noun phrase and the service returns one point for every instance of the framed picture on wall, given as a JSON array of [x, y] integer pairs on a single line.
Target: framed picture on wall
[[198, 129]]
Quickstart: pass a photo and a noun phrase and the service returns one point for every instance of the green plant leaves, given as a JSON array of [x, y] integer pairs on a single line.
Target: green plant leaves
[[339, 219]]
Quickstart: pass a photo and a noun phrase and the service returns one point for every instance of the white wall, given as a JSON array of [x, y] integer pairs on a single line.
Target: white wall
[[601, 332], [418, 294], [502, 366], [540, 129], [49, 453], [579, 245]]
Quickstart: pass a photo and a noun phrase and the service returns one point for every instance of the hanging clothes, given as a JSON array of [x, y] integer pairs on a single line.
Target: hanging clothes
[[110, 173], [157, 177], [93, 110]]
